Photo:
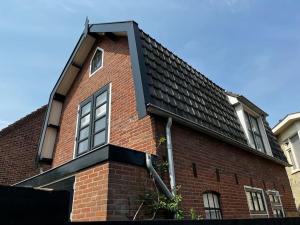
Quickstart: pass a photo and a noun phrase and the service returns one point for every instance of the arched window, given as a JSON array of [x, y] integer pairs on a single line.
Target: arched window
[[212, 205], [97, 61]]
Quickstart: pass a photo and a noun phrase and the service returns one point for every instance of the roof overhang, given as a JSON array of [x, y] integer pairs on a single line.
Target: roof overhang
[[73, 67], [286, 122], [163, 113], [245, 101]]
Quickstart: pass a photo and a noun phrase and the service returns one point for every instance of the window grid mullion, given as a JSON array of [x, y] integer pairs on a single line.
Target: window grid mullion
[[252, 200], [251, 129], [260, 136], [93, 120], [92, 128]]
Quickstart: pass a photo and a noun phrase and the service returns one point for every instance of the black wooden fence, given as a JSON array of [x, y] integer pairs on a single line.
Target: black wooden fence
[[31, 206], [283, 221]]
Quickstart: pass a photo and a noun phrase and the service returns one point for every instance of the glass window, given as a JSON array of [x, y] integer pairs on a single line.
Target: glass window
[[212, 206], [291, 156], [276, 204], [256, 201], [92, 121], [254, 132], [97, 60]]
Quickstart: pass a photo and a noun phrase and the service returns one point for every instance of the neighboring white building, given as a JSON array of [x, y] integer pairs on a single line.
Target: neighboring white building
[[288, 134]]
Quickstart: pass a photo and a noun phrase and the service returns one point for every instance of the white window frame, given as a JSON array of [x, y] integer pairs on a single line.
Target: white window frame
[[247, 188], [274, 204], [102, 59], [290, 147], [241, 111]]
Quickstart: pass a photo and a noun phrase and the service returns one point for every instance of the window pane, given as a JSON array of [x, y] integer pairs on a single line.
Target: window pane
[[254, 124], [260, 202], [256, 208], [101, 98], [86, 109], [213, 214], [207, 214], [292, 159], [99, 138], [97, 61], [259, 143], [84, 133], [271, 198], [219, 216], [216, 201], [85, 120], [100, 124], [205, 201], [101, 111], [83, 146], [249, 200], [210, 200]]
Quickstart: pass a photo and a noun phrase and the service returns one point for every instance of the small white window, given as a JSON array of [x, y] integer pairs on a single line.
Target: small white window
[[97, 61], [276, 203], [292, 145], [255, 135], [256, 202], [212, 205]]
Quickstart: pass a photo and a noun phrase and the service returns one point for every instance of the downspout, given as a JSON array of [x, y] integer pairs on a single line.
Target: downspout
[[166, 191], [157, 177], [170, 156]]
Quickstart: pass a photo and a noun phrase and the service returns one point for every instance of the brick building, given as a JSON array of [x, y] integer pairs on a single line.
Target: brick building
[[19, 146], [119, 93]]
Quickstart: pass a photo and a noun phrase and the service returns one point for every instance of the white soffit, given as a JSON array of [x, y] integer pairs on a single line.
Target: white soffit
[[287, 121]]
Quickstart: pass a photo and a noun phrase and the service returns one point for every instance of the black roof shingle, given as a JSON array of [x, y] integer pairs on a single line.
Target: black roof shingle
[[178, 88]]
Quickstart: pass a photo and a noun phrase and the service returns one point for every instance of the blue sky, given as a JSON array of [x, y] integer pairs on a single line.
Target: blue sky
[[247, 46]]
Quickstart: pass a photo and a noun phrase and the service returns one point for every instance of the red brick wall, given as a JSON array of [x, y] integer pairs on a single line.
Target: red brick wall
[[90, 194], [210, 154], [19, 146], [126, 188], [126, 130], [126, 182]]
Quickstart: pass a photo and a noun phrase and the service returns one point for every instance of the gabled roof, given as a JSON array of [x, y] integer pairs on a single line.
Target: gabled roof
[[164, 85], [248, 103], [285, 122]]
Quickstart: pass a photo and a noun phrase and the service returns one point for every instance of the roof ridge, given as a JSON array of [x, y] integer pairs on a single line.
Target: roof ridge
[[21, 120], [183, 61]]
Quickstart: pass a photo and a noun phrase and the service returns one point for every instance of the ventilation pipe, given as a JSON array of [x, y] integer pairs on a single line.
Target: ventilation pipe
[[170, 156]]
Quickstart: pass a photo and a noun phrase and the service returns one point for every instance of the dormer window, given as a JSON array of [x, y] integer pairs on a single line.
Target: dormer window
[[97, 61], [255, 137], [252, 122]]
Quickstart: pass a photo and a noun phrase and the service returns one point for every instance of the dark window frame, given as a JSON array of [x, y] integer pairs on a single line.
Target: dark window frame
[[93, 120], [217, 210], [253, 133]]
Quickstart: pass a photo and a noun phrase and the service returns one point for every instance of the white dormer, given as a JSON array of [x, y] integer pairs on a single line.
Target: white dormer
[[251, 120]]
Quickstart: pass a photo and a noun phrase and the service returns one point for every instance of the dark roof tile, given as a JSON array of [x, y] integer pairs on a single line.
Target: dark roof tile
[[178, 88]]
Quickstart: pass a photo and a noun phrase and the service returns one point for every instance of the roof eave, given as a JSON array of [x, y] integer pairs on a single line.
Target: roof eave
[[163, 113], [285, 122]]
